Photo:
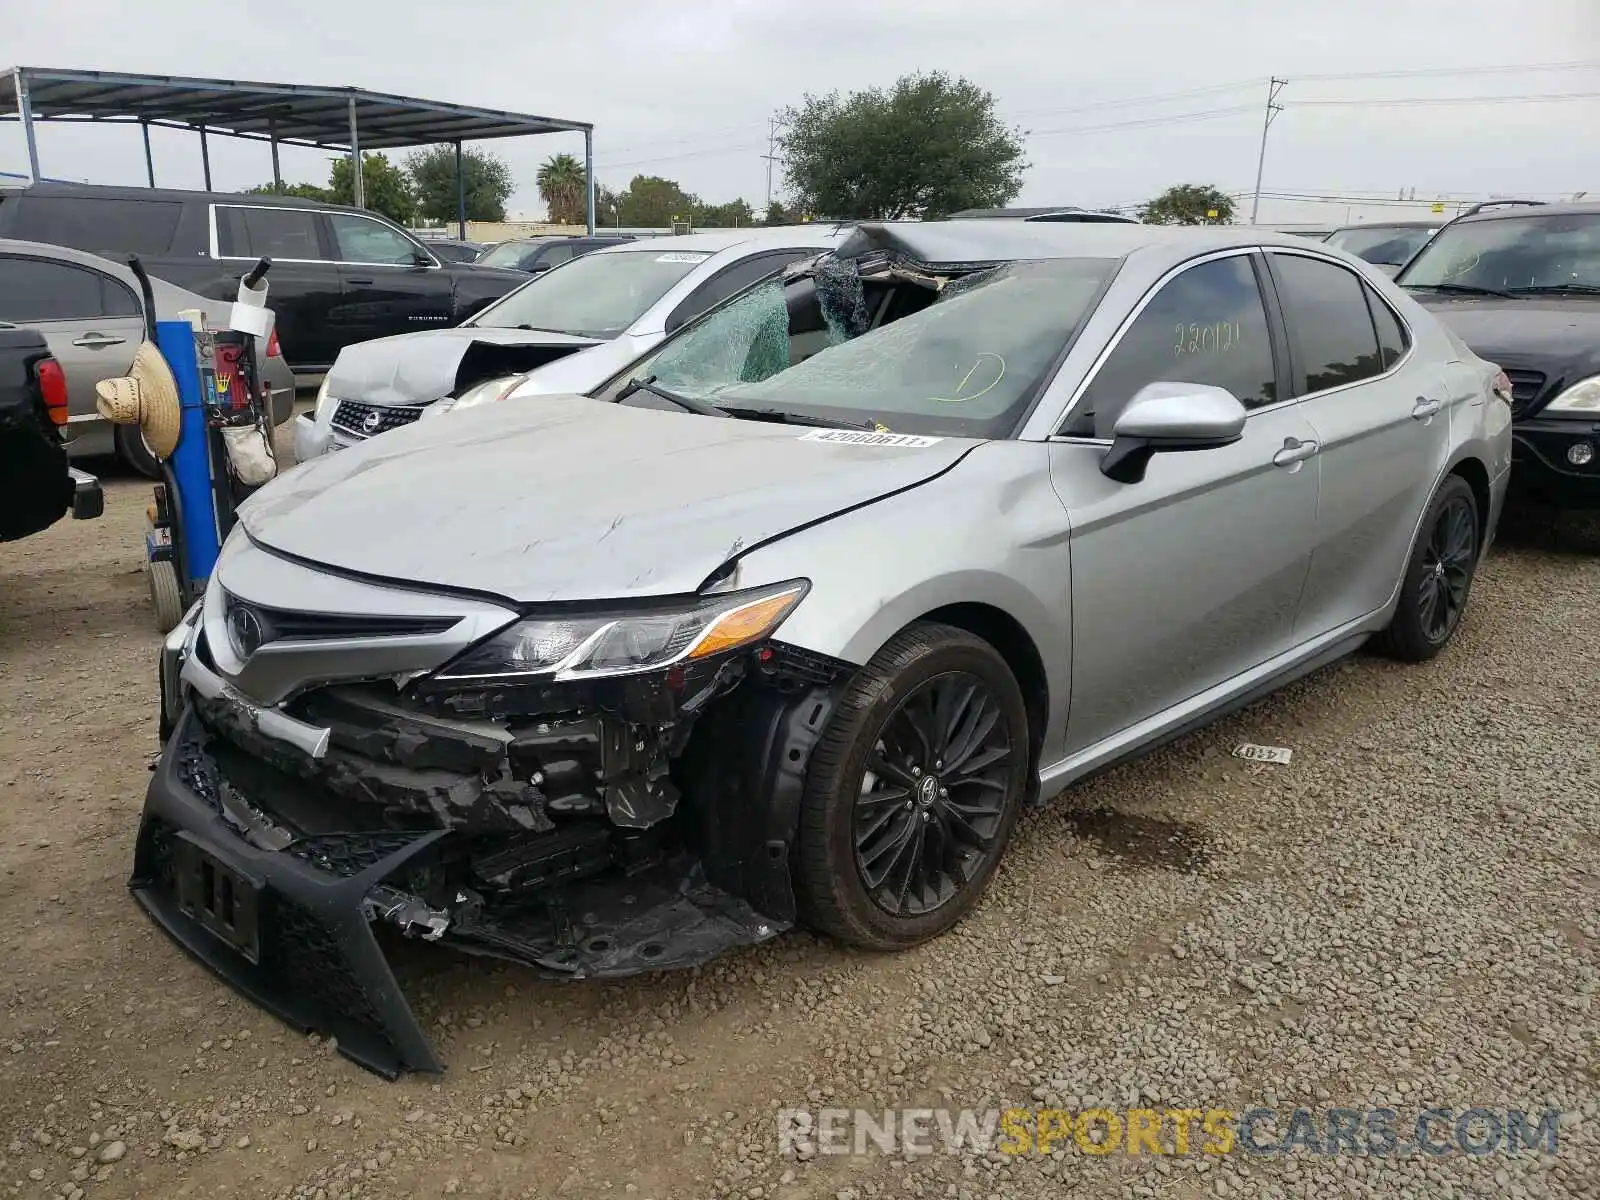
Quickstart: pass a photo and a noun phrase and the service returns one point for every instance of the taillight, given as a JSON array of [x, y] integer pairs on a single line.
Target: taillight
[[272, 345], [1501, 386], [53, 387]]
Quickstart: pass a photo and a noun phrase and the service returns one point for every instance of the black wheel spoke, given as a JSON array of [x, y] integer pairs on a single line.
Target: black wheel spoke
[[934, 795]]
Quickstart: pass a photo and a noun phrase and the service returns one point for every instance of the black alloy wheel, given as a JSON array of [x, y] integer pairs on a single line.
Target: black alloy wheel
[[1447, 563], [912, 791], [933, 795], [1438, 578]]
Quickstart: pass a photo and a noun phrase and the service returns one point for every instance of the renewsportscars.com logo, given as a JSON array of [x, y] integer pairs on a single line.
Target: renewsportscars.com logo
[[1374, 1132]]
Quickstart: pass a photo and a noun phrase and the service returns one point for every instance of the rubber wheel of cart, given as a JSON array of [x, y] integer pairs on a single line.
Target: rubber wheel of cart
[[913, 790], [165, 595], [1438, 578], [135, 451]]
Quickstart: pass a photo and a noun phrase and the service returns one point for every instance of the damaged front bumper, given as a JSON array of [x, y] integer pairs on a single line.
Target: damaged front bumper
[[278, 861]]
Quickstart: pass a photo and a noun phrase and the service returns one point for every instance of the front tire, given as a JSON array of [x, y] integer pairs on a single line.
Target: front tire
[[913, 791], [1438, 579]]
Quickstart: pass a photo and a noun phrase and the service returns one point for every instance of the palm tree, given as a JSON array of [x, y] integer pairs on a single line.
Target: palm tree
[[561, 184]]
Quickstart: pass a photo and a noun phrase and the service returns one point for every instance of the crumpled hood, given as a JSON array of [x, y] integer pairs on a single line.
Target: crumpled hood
[[419, 368], [566, 498], [1536, 331]]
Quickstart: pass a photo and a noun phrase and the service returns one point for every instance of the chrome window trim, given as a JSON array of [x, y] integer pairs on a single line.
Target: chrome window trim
[[1411, 336], [1133, 315]]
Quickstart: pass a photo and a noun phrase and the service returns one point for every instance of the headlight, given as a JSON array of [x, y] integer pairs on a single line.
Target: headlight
[[623, 643], [1582, 397], [487, 392], [325, 403]]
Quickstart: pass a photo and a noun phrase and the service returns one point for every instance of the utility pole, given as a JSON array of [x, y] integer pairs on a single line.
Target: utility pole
[[772, 140], [1274, 86]]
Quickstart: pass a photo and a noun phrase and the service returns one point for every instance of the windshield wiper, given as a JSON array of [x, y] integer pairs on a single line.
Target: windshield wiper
[[1464, 289], [783, 416], [1552, 289], [542, 329], [687, 403]]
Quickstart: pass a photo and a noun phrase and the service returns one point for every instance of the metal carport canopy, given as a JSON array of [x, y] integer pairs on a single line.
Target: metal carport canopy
[[292, 114]]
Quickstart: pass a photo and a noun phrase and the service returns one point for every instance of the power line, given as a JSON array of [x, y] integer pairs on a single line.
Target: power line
[[1544, 98], [1133, 101], [1436, 72], [1173, 119]]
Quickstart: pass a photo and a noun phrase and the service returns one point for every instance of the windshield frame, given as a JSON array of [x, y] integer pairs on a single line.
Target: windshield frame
[[476, 321], [1025, 411], [1525, 214]]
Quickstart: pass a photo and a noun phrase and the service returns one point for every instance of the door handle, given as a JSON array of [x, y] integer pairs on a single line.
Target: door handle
[[97, 341], [1293, 451], [1425, 408], [363, 282]]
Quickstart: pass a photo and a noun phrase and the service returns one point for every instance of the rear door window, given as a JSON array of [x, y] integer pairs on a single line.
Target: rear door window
[[1332, 340], [34, 290], [1393, 340], [102, 226], [550, 256], [287, 233]]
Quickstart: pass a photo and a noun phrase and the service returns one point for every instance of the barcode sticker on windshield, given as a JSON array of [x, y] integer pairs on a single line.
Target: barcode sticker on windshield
[[863, 438], [681, 256]]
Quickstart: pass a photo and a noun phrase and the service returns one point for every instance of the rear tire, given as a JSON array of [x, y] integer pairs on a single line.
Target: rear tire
[[913, 791], [135, 451], [1438, 578]]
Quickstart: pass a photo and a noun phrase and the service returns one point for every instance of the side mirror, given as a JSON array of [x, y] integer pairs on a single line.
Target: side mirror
[[1165, 417], [537, 268], [420, 258]]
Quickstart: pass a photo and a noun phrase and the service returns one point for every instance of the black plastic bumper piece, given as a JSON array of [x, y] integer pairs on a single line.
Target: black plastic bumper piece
[[1541, 470], [318, 965], [88, 500]]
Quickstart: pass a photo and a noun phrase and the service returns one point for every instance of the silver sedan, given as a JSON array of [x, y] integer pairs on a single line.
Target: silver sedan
[[788, 620]]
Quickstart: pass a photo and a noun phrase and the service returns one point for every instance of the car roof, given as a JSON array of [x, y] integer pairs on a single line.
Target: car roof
[[1439, 224], [544, 239], [1585, 208], [99, 191], [990, 240], [714, 240]]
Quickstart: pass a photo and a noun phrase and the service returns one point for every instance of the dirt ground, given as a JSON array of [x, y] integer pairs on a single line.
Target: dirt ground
[[1408, 912]]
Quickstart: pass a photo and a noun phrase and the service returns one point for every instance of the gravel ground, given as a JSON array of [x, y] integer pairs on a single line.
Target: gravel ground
[[1403, 916]]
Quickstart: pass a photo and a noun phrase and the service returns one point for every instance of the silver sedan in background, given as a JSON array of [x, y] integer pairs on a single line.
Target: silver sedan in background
[[91, 312], [787, 620]]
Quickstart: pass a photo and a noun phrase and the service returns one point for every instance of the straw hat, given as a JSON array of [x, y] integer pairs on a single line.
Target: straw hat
[[147, 396]]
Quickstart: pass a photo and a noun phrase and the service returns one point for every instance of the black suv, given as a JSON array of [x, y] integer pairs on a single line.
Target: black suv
[[535, 254], [1521, 286], [339, 275]]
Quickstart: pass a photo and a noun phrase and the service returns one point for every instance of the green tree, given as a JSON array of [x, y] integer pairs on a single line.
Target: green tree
[[305, 191], [1189, 204], [776, 214], [385, 188], [561, 184], [433, 178], [653, 201], [928, 146], [607, 206], [734, 214]]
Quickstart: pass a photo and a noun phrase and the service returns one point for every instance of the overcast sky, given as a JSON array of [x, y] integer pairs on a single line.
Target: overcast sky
[[685, 91]]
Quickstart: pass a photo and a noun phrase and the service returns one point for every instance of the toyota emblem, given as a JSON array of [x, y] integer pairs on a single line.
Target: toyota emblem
[[371, 422], [245, 632]]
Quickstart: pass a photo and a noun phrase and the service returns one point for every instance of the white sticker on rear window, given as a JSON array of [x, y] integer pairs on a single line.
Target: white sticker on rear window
[[682, 256], [864, 438]]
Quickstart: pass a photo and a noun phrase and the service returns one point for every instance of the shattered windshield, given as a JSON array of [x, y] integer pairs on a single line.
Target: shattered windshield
[[1534, 253], [598, 295], [962, 359]]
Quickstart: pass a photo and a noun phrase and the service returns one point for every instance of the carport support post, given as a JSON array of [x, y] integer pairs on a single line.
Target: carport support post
[[461, 195], [355, 157], [588, 175], [25, 111], [205, 157], [272, 134], [149, 162]]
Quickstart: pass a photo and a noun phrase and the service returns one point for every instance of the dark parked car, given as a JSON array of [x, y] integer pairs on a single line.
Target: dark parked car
[[1390, 244], [1521, 287], [541, 253], [453, 249], [339, 275], [37, 487]]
